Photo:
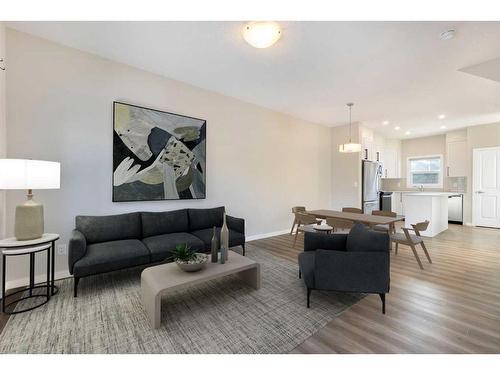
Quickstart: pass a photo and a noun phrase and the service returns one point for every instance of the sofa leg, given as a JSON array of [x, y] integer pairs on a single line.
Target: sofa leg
[[243, 246], [382, 297], [309, 290], [75, 286], [300, 274]]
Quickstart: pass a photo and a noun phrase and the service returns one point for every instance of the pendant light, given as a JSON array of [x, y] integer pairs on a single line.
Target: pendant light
[[350, 147]]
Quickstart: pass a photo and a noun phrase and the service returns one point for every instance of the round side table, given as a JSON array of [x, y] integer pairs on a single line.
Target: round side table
[[31, 251], [13, 247]]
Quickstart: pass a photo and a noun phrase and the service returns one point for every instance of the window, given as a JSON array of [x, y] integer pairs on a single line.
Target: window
[[426, 171]]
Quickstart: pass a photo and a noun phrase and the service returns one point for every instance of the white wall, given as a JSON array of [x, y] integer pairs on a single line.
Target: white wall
[[3, 143], [260, 163], [346, 170]]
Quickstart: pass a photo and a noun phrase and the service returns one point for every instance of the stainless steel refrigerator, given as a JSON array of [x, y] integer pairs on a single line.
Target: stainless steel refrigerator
[[372, 173]]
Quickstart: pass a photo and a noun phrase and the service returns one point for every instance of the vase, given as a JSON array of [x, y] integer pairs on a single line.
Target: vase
[[224, 236], [223, 254], [215, 247]]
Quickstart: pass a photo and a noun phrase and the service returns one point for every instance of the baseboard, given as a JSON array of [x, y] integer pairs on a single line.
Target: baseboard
[[267, 235], [17, 283]]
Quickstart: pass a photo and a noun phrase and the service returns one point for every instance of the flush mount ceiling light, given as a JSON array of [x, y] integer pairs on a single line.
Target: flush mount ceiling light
[[448, 34], [350, 147], [397, 128], [443, 127], [441, 117], [408, 132], [261, 34], [385, 122]]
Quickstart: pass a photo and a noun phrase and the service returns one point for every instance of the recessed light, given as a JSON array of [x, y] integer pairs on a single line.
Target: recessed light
[[408, 132], [448, 34], [442, 127], [385, 122], [441, 117], [397, 128], [261, 34]]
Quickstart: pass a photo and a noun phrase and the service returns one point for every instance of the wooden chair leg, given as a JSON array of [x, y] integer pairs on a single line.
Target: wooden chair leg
[[426, 252], [308, 296], [396, 248], [416, 256], [293, 225], [296, 235]]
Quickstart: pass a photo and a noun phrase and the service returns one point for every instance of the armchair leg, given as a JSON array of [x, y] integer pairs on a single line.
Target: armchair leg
[[309, 290], [293, 225], [75, 287], [382, 297], [300, 274], [243, 246]]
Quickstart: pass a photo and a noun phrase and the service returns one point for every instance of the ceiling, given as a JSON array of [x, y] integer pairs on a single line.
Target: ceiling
[[400, 72]]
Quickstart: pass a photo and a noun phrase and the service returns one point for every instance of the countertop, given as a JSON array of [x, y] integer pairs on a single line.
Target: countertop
[[430, 193]]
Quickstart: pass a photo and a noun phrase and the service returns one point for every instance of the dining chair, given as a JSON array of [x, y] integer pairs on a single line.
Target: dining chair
[[352, 210], [294, 211], [339, 224], [304, 222], [389, 228], [412, 240]]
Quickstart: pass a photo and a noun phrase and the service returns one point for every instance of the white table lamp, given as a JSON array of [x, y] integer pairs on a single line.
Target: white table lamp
[[20, 174]]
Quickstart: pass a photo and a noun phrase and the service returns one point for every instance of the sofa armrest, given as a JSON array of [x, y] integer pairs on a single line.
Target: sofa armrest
[[367, 272], [76, 249], [236, 224], [314, 241]]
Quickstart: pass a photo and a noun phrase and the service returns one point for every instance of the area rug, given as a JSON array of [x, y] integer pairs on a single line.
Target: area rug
[[221, 316]]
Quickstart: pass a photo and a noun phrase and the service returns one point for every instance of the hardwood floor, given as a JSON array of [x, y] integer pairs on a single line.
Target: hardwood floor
[[452, 306]]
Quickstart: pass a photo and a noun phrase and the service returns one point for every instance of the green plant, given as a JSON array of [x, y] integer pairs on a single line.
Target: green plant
[[183, 253]]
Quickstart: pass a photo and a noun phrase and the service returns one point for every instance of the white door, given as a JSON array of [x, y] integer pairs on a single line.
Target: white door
[[486, 187]]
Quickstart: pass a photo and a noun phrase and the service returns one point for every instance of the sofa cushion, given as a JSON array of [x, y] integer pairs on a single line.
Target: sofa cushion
[[361, 238], [235, 238], [161, 246], [109, 228], [203, 218], [156, 223], [111, 256]]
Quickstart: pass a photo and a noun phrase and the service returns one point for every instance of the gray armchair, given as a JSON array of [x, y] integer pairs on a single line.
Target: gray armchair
[[354, 262]]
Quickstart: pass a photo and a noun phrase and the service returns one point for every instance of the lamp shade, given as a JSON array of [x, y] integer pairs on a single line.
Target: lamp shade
[[21, 174]]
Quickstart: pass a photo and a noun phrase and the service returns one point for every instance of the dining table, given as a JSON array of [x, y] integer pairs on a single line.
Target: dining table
[[368, 219]]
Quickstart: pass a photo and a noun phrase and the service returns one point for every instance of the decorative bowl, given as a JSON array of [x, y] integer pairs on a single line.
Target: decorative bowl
[[193, 265]]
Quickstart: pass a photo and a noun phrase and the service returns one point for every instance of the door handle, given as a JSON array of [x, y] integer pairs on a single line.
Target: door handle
[[480, 192]]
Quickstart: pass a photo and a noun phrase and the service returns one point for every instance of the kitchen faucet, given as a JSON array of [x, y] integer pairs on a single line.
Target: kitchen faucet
[[421, 188]]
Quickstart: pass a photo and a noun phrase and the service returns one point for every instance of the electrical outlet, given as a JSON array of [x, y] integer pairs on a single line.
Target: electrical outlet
[[62, 249]]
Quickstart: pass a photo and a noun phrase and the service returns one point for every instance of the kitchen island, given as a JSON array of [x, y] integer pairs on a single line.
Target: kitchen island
[[432, 206]]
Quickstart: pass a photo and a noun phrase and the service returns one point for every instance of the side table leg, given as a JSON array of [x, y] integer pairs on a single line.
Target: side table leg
[[48, 274], [32, 273], [4, 260], [53, 259]]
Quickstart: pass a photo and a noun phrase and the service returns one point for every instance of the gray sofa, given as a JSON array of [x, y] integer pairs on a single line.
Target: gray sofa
[[101, 244], [354, 262]]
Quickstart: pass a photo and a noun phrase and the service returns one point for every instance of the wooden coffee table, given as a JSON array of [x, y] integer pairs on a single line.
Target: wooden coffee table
[[157, 281]]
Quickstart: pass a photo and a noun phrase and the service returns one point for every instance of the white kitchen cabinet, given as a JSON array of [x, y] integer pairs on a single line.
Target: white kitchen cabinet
[[456, 158], [390, 163], [397, 203]]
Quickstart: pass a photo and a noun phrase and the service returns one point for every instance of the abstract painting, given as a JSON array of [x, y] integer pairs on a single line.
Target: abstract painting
[[157, 155]]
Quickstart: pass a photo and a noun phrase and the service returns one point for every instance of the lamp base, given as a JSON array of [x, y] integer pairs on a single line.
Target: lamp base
[[29, 221]]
